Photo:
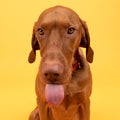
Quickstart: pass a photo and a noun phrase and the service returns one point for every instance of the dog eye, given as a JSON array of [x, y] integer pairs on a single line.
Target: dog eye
[[41, 31], [71, 30]]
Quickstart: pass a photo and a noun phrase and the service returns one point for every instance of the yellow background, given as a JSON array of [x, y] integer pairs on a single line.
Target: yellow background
[[17, 76]]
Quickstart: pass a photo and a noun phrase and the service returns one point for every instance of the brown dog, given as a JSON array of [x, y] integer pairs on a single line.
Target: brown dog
[[63, 83]]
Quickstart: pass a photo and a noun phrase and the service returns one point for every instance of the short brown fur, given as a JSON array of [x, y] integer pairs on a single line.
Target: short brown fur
[[60, 48]]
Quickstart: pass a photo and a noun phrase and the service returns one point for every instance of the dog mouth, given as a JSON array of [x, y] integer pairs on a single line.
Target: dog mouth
[[55, 74], [54, 87], [54, 94]]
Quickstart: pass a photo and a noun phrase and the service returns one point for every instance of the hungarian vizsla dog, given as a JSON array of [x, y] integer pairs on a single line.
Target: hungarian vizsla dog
[[64, 82]]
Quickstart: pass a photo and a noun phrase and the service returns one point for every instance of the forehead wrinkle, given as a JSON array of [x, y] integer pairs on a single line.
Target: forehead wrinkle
[[55, 20], [55, 24], [48, 22]]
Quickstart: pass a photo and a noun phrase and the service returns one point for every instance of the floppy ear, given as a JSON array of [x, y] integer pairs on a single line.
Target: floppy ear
[[85, 42], [35, 46]]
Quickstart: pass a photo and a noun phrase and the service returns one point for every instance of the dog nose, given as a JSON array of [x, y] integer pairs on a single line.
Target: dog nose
[[52, 71]]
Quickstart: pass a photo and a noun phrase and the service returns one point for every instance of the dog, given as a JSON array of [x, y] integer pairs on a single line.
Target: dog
[[64, 80]]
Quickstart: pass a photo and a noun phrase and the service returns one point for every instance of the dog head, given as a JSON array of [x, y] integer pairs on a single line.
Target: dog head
[[84, 39], [58, 34]]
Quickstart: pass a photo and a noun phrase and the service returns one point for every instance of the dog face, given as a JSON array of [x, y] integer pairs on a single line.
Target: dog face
[[58, 34]]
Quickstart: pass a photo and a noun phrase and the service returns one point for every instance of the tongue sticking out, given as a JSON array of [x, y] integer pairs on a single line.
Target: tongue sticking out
[[54, 94]]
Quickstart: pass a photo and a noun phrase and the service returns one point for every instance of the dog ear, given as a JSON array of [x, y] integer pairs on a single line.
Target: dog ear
[[85, 42], [35, 46]]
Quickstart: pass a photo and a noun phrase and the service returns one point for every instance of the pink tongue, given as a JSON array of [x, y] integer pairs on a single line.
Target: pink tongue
[[54, 94]]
